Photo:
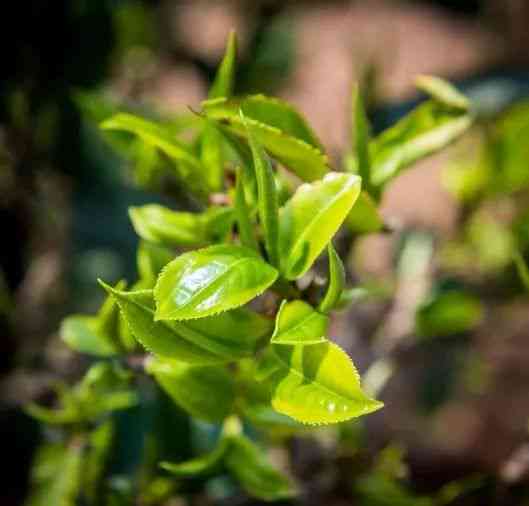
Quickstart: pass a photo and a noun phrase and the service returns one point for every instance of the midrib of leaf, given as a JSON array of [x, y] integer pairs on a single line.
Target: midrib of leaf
[[299, 242]]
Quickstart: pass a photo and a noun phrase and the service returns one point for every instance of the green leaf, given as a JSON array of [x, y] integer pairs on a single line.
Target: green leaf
[[299, 323], [94, 335], [243, 216], [204, 465], [278, 114], [304, 159], [160, 225], [205, 392], [267, 201], [448, 313], [523, 270], [211, 155], [364, 217], [189, 167], [361, 139], [254, 473], [56, 475], [151, 259], [82, 334], [311, 217], [95, 461], [225, 79], [442, 91], [209, 281], [426, 130], [336, 281], [315, 384], [223, 338]]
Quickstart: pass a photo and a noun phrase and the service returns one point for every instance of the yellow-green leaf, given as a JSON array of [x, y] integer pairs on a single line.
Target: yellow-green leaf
[[209, 281], [225, 79], [443, 92], [364, 217], [315, 384], [297, 322], [309, 220]]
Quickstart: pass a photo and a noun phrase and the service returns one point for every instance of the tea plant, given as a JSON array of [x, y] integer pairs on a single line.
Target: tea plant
[[227, 316]]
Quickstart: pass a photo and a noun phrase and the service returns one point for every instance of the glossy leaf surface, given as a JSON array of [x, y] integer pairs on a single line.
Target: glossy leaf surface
[[205, 392], [163, 226], [209, 281], [297, 322], [336, 281], [315, 384], [229, 336], [309, 220]]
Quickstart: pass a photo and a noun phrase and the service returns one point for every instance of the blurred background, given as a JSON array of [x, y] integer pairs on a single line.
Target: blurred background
[[445, 303]]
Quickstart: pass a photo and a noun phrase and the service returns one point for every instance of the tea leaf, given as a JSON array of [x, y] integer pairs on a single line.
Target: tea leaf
[[426, 130], [361, 139], [223, 338], [309, 220], [315, 384], [299, 323], [336, 281], [209, 281], [211, 155], [225, 79], [364, 217], [203, 465], [443, 92], [254, 473], [267, 200], [243, 214], [189, 167], [160, 225], [305, 160], [205, 392]]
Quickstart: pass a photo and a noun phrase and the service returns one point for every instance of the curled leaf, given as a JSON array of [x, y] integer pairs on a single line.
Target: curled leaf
[[297, 322]]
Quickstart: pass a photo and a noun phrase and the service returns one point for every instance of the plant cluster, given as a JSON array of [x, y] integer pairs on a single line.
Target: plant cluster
[[229, 315]]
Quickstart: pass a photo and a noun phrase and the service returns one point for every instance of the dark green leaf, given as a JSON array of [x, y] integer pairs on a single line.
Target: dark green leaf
[[205, 392], [254, 473], [361, 139], [229, 336]]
